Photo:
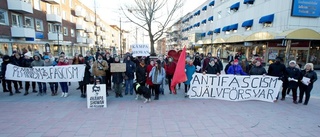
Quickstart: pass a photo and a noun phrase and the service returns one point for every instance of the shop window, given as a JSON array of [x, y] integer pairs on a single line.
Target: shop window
[[265, 25], [3, 17], [39, 25], [16, 20]]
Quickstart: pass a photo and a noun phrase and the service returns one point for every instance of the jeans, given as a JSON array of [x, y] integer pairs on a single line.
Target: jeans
[[42, 87], [129, 86], [64, 87], [161, 89], [53, 86]]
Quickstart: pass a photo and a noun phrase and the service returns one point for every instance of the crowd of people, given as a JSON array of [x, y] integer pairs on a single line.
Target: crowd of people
[[153, 73]]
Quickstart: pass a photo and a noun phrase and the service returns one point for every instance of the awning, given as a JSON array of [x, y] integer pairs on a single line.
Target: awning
[[247, 23], [260, 36], [196, 25], [197, 13], [233, 27], [226, 28], [210, 18], [210, 33], [267, 19], [235, 39], [217, 30], [248, 1], [191, 16], [299, 34], [190, 27], [204, 8], [211, 3], [204, 21], [203, 34], [235, 6], [218, 40]]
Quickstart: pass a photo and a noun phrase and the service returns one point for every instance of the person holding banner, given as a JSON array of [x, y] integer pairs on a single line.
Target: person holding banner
[[190, 69], [6, 61], [53, 85], [212, 68], [63, 85], [157, 75], [236, 69], [258, 69], [99, 69], [37, 61], [26, 62], [17, 60], [292, 74], [307, 79]]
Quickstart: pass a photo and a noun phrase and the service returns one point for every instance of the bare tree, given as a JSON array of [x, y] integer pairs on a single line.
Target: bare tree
[[151, 14]]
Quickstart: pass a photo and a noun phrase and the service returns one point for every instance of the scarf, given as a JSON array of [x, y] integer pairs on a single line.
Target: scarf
[[211, 64], [142, 65], [155, 76]]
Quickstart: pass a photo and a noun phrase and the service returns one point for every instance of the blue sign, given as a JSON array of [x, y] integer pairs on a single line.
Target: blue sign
[[306, 8], [39, 35]]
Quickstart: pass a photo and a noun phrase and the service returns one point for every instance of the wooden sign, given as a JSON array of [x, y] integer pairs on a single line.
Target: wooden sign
[[118, 67]]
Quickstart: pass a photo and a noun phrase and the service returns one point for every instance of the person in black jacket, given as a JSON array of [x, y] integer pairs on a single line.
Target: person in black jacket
[[197, 61], [17, 61], [278, 69], [26, 62], [6, 61], [307, 87], [109, 60], [86, 79], [292, 74], [117, 79], [212, 68], [141, 73], [258, 69], [227, 66], [219, 64]]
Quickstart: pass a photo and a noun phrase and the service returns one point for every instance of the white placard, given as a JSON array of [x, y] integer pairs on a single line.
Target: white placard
[[69, 73], [234, 88], [140, 50], [96, 96], [305, 80]]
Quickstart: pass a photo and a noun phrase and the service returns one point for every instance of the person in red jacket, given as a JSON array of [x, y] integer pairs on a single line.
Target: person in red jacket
[[170, 67], [206, 61], [149, 81], [64, 85]]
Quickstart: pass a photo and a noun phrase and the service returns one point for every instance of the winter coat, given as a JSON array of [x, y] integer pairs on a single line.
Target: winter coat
[[62, 63], [277, 69], [27, 62], [257, 70], [48, 63], [227, 67], [4, 68], [130, 68], [117, 77], [38, 62], [160, 77], [170, 68], [87, 74], [109, 61], [197, 61], [17, 62], [219, 65], [212, 69], [190, 70], [149, 81], [292, 72], [141, 72], [236, 70], [205, 63], [310, 74], [99, 68]]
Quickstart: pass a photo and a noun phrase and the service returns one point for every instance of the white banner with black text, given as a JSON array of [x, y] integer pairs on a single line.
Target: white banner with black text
[[69, 73], [234, 88]]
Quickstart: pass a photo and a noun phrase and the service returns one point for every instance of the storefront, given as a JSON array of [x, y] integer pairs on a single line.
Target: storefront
[[4, 49], [314, 56]]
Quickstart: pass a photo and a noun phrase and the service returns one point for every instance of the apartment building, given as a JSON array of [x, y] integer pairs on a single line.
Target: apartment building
[[52, 26], [265, 28]]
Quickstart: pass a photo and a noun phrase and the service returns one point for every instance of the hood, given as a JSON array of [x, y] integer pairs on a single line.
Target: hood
[[38, 55], [48, 63]]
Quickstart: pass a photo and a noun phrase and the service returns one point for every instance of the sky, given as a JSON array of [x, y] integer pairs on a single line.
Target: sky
[[108, 10]]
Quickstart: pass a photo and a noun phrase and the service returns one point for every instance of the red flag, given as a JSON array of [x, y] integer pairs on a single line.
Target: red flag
[[179, 74]]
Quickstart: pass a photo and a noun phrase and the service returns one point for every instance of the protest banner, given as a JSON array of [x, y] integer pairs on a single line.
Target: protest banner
[[96, 96], [140, 50], [70, 73], [234, 88], [117, 67]]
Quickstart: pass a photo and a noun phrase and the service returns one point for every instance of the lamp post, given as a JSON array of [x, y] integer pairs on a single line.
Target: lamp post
[[57, 25]]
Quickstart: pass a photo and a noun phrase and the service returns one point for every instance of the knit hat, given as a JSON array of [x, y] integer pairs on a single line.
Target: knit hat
[[5, 57], [212, 59], [236, 60], [292, 61], [46, 57], [28, 54], [61, 53]]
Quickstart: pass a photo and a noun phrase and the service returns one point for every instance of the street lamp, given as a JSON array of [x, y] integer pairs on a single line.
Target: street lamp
[[58, 25]]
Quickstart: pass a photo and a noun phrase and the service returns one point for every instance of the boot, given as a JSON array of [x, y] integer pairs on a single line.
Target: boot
[[55, 92], [26, 93], [10, 93], [120, 95], [156, 97], [117, 95], [34, 91], [17, 92]]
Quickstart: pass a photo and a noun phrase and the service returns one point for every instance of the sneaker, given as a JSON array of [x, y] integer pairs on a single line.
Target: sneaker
[[120, 95], [17, 91], [282, 99], [20, 88], [295, 102], [65, 95], [34, 91], [62, 94], [26, 93], [300, 101], [10, 94]]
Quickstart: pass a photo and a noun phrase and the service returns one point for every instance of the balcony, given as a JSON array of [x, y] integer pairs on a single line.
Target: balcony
[[103, 28], [89, 18], [20, 32], [90, 41], [81, 40], [54, 18], [20, 6], [104, 37], [79, 12], [54, 36], [89, 30], [80, 26], [52, 1], [99, 33]]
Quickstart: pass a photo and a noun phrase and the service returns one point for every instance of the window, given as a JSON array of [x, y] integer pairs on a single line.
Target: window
[[16, 20], [63, 1], [65, 31], [219, 14], [70, 3], [49, 9], [3, 17], [39, 25], [36, 4], [64, 15], [28, 22], [72, 32], [267, 25], [71, 19], [54, 28]]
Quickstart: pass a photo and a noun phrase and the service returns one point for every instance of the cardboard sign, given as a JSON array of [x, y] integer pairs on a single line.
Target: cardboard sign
[[118, 67], [96, 96], [235, 88]]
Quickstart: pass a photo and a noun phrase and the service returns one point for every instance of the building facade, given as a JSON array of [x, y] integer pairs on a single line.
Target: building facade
[[266, 28], [51, 26]]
